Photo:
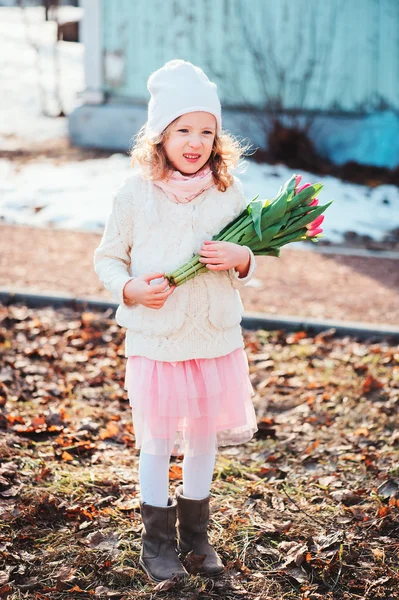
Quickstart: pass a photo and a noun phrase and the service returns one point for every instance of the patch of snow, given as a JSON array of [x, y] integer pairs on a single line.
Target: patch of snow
[[28, 79], [78, 195], [367, 211]]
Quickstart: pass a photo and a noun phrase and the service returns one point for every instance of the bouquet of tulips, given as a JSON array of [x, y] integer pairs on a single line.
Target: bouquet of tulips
[[266, 225]]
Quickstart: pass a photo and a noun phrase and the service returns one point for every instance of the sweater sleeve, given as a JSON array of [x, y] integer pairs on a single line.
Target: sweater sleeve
[[112, 257], [235, 276], [241, 205]]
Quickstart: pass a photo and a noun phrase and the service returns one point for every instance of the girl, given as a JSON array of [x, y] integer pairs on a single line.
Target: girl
[[186, 370]]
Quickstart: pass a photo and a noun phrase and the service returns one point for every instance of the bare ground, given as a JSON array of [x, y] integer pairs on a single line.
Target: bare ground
[[299, 283]]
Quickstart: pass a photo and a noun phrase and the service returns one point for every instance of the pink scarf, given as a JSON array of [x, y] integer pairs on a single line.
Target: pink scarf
[[184, 188]]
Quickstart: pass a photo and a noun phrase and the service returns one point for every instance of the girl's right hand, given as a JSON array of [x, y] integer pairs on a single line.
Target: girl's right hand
[[141, 291]]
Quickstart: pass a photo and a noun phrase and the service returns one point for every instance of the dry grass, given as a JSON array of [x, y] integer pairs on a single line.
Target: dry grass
[[308, 509]]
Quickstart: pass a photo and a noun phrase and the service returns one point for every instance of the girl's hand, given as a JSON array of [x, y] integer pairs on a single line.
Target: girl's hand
[[220, 256], [141, 291]]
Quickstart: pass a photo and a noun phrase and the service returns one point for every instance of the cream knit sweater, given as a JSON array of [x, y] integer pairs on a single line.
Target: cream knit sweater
[[148, 232]]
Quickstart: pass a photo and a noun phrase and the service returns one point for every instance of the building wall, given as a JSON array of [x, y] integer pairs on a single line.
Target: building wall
[[337, 60], [334, 56]]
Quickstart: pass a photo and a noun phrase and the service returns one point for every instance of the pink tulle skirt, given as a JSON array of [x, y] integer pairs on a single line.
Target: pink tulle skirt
[[184, 407]]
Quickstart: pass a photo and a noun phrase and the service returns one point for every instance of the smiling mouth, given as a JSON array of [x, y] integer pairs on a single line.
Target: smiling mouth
[[192, 156]]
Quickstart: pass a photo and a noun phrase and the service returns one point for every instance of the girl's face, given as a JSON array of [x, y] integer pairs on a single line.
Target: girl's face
[[190, 141]]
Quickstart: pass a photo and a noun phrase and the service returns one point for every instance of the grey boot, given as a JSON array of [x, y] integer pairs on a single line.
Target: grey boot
[[158, 556], [192, 525]]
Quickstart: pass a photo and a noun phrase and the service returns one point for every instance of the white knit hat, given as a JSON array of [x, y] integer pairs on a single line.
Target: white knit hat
[[177, 88]]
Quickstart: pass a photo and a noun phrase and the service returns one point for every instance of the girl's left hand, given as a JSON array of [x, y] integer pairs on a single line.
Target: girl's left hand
[[220, 256]]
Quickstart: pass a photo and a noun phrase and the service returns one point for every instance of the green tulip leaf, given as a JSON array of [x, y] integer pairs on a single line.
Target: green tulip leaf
[[256, 214]]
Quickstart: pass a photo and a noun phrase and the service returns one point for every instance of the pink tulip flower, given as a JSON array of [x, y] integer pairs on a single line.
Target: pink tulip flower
[[314, 202], [315, 223], [313, 228], [302, 188], [313, 232]]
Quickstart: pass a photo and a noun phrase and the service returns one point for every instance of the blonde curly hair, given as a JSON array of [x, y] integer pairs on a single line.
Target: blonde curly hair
[[227, 152]]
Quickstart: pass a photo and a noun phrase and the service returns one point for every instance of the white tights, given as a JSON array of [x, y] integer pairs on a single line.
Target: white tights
[[154, 475]]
